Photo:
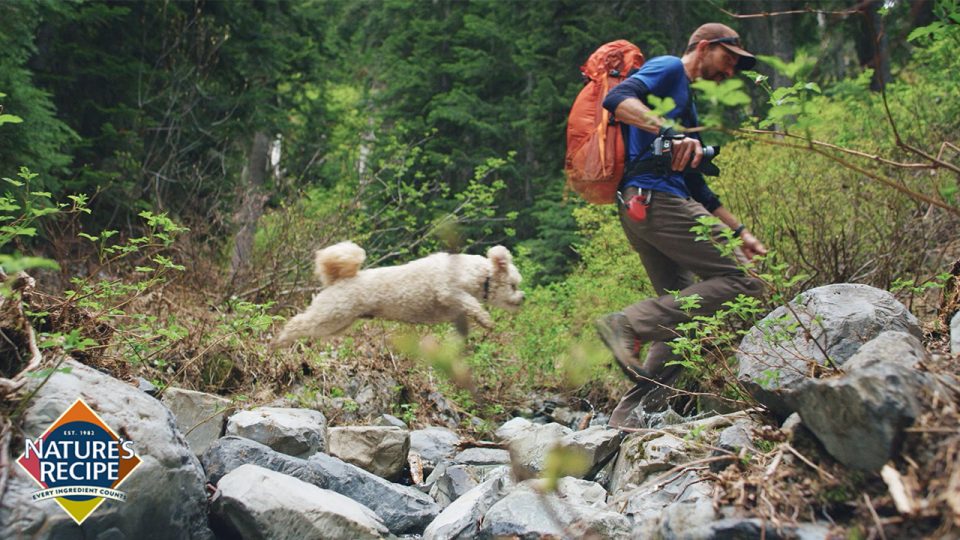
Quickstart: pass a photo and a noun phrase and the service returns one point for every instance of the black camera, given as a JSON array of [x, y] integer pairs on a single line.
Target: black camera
[[662, 146]]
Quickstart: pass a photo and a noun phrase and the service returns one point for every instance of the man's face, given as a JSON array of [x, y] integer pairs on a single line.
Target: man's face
[[718, 64]]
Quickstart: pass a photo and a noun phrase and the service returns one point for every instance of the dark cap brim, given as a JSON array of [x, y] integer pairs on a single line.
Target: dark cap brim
[[745, 60]]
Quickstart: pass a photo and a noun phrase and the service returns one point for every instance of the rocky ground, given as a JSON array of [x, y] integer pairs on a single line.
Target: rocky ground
[[854, 434]]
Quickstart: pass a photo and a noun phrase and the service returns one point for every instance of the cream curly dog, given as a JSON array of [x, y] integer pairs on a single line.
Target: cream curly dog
[[439, 288]]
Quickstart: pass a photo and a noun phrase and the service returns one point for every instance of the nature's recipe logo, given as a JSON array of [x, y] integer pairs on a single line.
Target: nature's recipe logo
[[79, 461]]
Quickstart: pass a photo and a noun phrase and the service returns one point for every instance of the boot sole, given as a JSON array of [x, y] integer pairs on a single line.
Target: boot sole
[[609, 339]]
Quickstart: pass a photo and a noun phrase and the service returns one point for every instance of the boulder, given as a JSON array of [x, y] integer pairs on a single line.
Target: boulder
[[450, 481], [642, 455], [860, 415], [403, 509], [531, 443], [380, 450], [461, 519], [433, 444], [779, 353], [200, 417], [295, 432], [595, 445], [529, 512], [166, 488], [253, 502], [647, 504]]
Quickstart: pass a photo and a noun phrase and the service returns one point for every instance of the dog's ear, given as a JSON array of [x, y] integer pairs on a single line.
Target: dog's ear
[[500, 256]]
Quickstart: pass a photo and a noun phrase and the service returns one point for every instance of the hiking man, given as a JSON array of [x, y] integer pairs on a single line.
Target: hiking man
[[672, 201]]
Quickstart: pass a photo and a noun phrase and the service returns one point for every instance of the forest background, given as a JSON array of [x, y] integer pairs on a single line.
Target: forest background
[[169, 168]]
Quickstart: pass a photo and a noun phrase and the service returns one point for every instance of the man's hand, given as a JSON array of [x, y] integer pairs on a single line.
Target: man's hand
[[687, 150], [751, 246]]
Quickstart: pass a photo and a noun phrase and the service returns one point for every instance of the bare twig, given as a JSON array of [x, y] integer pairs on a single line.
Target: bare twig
[[876, 518], [811, 464], [879, 178], [807, 10]]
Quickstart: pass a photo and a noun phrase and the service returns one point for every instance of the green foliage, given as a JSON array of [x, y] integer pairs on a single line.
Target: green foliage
[[21, 208]]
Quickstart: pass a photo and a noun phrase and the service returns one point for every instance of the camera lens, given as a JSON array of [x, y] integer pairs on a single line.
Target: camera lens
[[710, 151]]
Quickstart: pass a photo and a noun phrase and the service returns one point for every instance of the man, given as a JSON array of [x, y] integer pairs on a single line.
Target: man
[[672, 201]]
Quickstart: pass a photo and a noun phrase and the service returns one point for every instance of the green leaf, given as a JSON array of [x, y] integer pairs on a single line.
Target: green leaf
[[10, 119], [935, 28]]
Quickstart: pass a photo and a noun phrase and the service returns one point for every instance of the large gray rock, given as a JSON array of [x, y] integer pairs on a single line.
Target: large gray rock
[[530, 443], [594, 444], [402, 509], [167, 488], [860, 416], [380, 450], [200, 417], [296, 432], [433, 444], [528, 512], [461, 519], [779, 353], [450, 480], [253, 502], [649, 504], [642, 455]]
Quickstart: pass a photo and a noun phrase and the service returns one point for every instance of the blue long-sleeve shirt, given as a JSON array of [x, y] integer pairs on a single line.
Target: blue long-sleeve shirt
[[662, 76]]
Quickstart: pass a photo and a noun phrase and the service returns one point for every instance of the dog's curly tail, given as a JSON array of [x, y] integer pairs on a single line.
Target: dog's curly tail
[[338, 261]]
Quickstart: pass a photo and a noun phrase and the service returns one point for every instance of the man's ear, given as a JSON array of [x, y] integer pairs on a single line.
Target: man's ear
[[500, 256]]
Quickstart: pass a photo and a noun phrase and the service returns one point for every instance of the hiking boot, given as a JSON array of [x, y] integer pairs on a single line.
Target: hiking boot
[[618, 336]]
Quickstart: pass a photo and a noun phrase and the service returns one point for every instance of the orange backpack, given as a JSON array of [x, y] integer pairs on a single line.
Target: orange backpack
[[595, 154]]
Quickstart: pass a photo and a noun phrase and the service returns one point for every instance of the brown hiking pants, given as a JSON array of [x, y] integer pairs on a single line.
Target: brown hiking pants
[[672, 257]]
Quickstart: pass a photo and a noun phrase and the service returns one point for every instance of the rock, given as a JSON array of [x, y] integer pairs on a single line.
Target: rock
[[200, 417], [450, 481], [390, 420], [647, 504], [526, 512], [295, 432], [376, 449], [434, 444], [735, 527], [955, 334], [448, 413], [731, 441], [483, 456], [860, 416], [776, 355], [167, 487], [513, 427], [403, 509], [595, 444], [253, 502], [531, 443], [147, 387], [461, 519], [641, 456], [582, 492]]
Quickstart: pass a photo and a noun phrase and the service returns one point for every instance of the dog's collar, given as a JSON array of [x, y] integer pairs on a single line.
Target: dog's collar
[[486, 288]]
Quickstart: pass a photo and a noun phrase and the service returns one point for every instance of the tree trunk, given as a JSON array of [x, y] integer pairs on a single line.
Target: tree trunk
[[252, 203], [873, 46]]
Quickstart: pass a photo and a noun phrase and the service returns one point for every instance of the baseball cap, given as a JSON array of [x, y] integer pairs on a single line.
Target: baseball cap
[[728, 38]]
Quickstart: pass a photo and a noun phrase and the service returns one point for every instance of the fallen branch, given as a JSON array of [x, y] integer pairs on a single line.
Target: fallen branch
[[898, 490]]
